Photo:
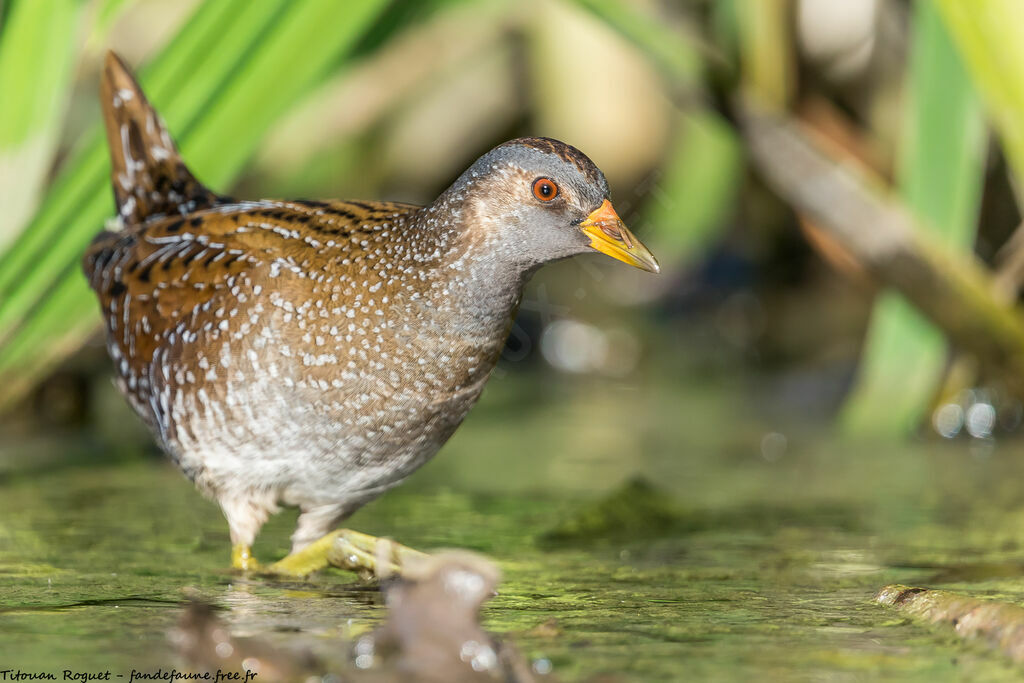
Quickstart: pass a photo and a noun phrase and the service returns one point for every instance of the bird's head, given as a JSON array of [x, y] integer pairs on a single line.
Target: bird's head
[[539, 200]]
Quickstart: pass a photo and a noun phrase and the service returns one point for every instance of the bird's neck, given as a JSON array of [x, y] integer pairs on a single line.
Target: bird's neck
[[477, 281]]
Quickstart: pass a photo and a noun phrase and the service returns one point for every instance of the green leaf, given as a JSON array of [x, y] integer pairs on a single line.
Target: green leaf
[[940, 174], [990, 37], [37, 50]]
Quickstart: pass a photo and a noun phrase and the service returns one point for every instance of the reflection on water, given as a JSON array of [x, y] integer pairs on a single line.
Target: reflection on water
[[645, 534], [432, 634]]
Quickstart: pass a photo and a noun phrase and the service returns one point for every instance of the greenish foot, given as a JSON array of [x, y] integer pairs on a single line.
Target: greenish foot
[[366, 555]]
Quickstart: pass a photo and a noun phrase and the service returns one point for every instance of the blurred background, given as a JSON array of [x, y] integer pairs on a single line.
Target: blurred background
[[864, 294]]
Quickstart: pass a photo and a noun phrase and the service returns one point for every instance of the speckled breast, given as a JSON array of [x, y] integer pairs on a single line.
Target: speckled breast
[[312, 388]]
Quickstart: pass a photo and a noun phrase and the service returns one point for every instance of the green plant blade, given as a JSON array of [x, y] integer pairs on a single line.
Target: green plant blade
[[990, 37], [37, 49], [941, 167]]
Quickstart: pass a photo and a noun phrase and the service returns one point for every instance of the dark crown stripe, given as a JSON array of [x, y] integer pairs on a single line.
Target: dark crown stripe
[[566, 153]]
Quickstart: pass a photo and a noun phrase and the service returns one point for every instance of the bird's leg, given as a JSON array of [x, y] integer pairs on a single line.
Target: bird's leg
[[246, 512], [366, 555], [241, 558]]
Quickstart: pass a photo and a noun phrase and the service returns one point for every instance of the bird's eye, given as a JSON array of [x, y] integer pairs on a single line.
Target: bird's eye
[[545, 189]]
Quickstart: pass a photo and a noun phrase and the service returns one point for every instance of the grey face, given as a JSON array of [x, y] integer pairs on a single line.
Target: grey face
[[535, 200], [531, 195]]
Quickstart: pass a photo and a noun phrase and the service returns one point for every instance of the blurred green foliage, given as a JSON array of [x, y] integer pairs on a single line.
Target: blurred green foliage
[[36, 56], [987, 34], [941, 165]]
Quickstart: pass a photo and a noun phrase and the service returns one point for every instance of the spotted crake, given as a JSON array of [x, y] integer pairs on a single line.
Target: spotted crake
[[315, 353]]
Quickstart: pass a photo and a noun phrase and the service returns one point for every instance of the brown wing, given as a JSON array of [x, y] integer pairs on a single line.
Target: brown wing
[[152, 277]]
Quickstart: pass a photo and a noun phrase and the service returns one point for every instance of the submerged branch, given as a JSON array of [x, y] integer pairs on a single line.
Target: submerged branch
[[955, 291], [998, 624]]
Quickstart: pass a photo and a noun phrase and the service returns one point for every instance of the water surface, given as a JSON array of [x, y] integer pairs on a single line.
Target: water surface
[[716, 554]]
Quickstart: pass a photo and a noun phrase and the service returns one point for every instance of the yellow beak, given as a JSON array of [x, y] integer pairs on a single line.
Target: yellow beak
[[609, 235]]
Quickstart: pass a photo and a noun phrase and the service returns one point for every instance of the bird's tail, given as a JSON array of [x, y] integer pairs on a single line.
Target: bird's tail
[[148, 175]]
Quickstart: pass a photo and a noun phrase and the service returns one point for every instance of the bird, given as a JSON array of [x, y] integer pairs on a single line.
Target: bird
[[313, 354]]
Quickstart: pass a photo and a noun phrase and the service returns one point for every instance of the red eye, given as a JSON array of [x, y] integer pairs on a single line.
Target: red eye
[[545, 189]]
